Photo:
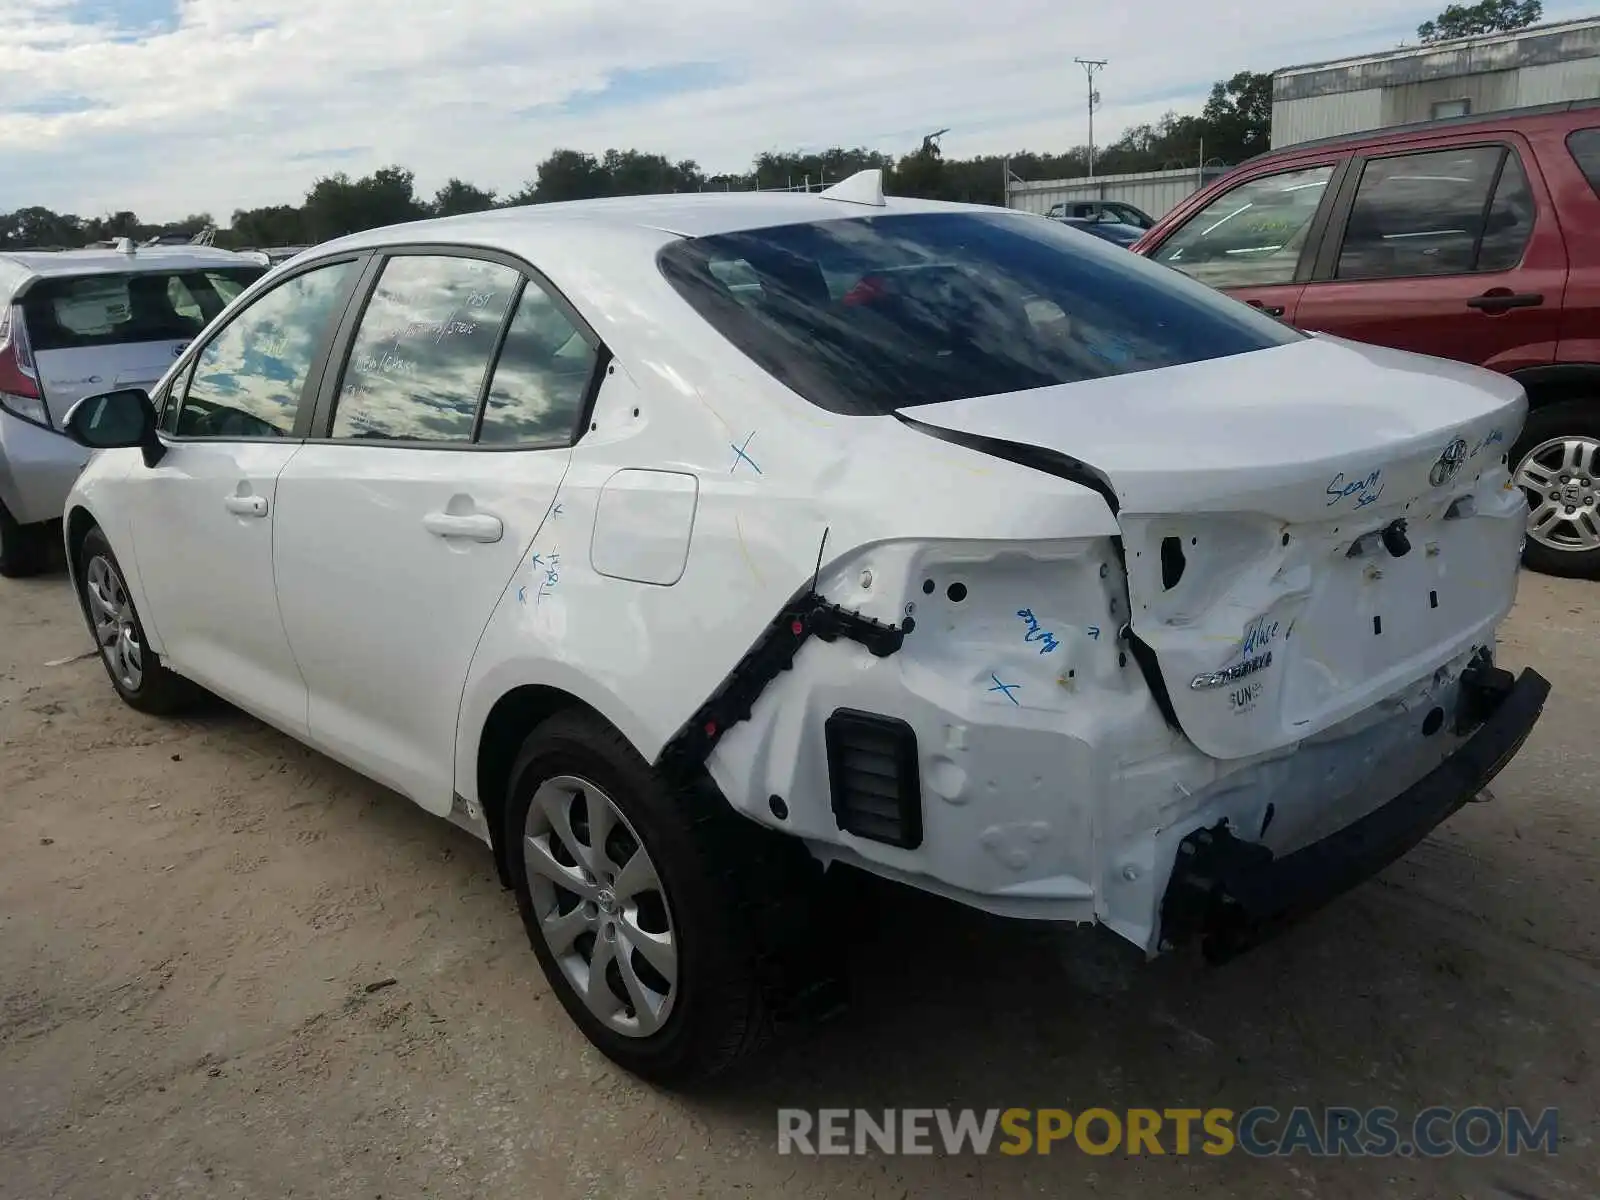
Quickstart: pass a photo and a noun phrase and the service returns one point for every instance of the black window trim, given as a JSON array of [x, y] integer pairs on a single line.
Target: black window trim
[[321, 425], [184, 372], [1327, 264], [1303, 268]]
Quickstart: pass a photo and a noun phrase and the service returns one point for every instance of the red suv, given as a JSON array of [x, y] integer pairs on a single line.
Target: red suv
[[1473, 238]]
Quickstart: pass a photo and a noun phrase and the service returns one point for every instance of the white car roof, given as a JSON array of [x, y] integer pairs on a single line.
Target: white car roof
[[24, 266]]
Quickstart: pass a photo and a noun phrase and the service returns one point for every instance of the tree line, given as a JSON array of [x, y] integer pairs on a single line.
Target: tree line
[[1234, 124]]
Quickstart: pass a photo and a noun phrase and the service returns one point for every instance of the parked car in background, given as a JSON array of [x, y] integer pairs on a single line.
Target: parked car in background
[[1119, 211], [1114, 232], [1473, 238], [79, 321], [915, 536]]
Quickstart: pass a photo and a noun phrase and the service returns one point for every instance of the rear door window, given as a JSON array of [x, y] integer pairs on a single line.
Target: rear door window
[[874, 314], [421, 355], [1431, 214], [147, 306]]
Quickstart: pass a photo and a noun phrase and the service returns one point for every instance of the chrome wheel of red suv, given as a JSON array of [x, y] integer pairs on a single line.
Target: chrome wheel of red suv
[[1555, 464]]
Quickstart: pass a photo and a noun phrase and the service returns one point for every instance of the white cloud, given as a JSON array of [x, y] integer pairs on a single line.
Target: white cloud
[[244, 102]]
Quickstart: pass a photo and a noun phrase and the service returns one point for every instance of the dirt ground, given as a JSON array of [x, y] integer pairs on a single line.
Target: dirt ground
[[191, 912]]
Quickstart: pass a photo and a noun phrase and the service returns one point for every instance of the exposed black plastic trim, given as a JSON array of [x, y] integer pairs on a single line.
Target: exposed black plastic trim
[[1051, 462], [857, 809], [1231, 893], [772, 655]]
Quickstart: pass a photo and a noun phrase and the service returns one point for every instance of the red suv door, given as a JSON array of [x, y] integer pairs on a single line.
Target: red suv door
[[1448, 248], [1257, 240]]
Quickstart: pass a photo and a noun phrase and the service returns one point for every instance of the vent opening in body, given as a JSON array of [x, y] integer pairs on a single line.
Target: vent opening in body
[[873, 777]]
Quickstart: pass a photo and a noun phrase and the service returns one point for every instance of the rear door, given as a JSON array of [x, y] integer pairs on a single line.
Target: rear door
[[1450, 250], [93, 333], [1258, 239], [442, 437]]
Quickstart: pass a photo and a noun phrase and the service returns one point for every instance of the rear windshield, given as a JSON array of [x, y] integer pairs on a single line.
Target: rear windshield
[[873, 314], [147, 306]]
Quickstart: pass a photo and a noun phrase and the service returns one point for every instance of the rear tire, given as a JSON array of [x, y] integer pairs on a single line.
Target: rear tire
[[24, 549], [681, 946], [1557, 435], [137, 672]]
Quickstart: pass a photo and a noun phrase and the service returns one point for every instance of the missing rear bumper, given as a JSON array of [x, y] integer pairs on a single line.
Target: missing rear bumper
[[1231, 894]]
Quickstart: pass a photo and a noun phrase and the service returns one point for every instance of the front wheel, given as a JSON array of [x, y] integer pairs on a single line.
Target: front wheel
[[1557, 465], [137, 672], [628, 905]]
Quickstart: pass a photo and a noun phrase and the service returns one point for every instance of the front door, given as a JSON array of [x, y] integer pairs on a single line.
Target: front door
[[203, 530], [1256, 239], [1453, 252], [401, 528]]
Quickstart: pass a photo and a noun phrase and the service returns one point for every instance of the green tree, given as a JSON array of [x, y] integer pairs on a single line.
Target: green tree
[[922, 173], [1237, 119], [37, 227], [338, 205], [565, 175], [458, 197], [634, 173], [275, 225], [1488, 16]]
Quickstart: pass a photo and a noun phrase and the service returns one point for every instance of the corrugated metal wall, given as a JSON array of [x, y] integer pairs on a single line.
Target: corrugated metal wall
[[1541, 65], [1552, 83], [1488, 92], [1325, 116], [1156, 192]]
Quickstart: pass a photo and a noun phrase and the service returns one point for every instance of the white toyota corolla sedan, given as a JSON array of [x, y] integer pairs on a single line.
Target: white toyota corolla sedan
[[677, 545]]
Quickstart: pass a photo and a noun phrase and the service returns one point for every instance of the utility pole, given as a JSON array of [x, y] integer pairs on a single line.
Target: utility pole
[[1090, 66]]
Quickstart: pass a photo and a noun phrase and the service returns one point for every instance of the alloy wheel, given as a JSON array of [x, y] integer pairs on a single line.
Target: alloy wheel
[[599, 905], [114, 629], [1560, 480]]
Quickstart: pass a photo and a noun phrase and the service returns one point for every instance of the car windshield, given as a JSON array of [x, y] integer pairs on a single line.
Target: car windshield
[[148, 306], [874, 314]]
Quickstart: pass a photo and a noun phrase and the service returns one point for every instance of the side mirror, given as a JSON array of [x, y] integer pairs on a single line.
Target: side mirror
[[116, 421]]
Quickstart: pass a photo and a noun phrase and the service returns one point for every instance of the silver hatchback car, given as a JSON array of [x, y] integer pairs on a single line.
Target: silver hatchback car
[[75, 322]]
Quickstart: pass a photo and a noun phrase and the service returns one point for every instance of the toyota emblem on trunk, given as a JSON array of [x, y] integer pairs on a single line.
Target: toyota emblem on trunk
[[1449, 462]]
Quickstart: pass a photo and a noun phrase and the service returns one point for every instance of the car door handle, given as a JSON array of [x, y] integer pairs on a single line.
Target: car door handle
[[1272, 310], [246, 506], [1499, 301], [476, 527]]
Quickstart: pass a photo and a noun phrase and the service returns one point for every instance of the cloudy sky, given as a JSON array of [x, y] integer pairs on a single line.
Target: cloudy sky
[[176, 106]]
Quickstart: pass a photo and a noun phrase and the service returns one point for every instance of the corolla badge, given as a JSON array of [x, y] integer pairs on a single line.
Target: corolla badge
[[1449, 462]]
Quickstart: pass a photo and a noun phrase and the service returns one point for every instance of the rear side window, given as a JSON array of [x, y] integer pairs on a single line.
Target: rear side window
[[874, 314], [148, 306], [541, 378], [1253, 234], [1430, 214], [422, 351], [1584, 146]]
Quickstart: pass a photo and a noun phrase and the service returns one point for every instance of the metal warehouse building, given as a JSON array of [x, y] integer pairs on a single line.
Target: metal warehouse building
[[1543, 64], [1156, 192]]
